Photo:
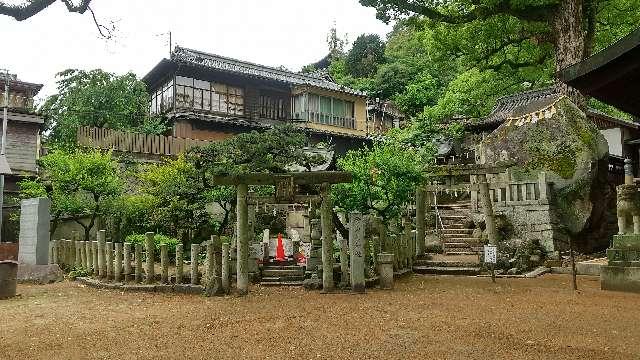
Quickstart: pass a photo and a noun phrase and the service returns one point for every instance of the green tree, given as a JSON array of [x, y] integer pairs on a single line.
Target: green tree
[[385, 177], [173, 199], [81, 184], [97, 98], [364, 57]]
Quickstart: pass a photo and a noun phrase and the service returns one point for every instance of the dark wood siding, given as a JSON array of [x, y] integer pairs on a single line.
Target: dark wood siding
[[22, 146]]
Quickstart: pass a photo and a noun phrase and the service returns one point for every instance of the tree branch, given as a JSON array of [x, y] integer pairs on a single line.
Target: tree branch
[[30, 8]]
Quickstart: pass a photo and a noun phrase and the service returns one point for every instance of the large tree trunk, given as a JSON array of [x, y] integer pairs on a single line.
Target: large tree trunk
[[570, 37]]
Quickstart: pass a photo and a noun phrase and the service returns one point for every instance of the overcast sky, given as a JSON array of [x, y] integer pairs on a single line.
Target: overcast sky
[[270, 32]]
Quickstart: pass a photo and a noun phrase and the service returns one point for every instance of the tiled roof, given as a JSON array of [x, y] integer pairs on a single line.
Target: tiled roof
[[519, 104], [226, 64]]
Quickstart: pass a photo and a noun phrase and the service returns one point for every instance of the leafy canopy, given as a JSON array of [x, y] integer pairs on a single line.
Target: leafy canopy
[[97, 98], [80, 184]]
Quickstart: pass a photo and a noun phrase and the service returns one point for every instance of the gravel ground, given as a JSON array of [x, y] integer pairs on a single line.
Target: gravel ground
[[423, 318]]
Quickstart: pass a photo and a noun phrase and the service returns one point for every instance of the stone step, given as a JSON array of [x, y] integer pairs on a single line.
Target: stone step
[[268, 272], [282, 267], [282, 279], [462, 251], [460, 245], [445, 263], [457, 231], [444, 270], [282, 283], [452, 217], [447, 239]]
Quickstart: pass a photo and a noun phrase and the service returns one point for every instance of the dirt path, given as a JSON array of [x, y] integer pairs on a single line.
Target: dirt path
[[424, 318]]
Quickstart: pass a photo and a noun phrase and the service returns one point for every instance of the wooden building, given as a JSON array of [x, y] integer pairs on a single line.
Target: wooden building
[[24, 128], [210, 97]]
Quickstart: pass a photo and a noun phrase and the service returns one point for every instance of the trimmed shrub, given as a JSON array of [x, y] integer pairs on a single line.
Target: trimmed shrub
[[158, 239]]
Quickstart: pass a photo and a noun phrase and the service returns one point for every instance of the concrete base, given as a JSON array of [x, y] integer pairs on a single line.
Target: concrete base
[[39, 274], [620, 278], [592, 267]]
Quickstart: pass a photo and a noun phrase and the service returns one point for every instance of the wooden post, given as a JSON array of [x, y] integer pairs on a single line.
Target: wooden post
[[420, 220], [164, 263], [150, 249], [487, 208], [242, 234], [327, 238], [179, 263], [195, 250], [117, 273]]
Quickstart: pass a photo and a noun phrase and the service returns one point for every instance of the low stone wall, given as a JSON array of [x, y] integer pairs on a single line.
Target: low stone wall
[[532, 221]]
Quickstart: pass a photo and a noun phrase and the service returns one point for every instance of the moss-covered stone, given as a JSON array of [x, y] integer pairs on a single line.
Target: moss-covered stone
[[573, 153]]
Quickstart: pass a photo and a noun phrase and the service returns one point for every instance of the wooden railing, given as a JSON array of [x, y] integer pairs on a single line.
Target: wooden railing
[[130, 142]]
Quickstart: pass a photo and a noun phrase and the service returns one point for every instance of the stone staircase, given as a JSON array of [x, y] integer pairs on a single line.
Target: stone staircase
[[457, 238], [285, 273], [461, 265]]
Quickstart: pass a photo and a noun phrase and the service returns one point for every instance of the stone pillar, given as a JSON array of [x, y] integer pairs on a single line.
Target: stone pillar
[[33, 244], [344, 259], [214, 285], [242, 231], [138, 255], [210, 255], [543, 186], [195, 250], [420, 220], [102, 261], [393, 238], [487, 208], [164, 263], [89, 256], [83, 255], [150, 249], [96, 257], [408, 228], [54, 252], [385, 270], [376, 250], [179, 263], [356, 249], [71, 253], [77, 254], [327, 238], [117, 272], [226, 278], [109, 260], [127, 261]]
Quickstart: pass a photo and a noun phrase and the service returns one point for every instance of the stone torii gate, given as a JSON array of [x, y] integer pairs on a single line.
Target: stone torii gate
[[480, 172], [286, 193]]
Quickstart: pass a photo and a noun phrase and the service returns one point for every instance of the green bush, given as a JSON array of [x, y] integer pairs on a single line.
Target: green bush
[[158, 239]]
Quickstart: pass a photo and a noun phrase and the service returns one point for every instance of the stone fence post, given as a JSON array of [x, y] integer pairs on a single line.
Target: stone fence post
[[150, 249]]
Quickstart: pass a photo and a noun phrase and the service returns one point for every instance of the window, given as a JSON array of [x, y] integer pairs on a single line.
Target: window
[[201, 95], [272, 108], [324, 110], [162, 99]]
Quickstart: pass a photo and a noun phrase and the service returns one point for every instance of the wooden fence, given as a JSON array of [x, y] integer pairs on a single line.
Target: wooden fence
[[109, 139]]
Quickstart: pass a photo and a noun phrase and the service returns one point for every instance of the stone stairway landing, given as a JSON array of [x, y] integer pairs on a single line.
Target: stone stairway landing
[[461, 265], [275, 274]]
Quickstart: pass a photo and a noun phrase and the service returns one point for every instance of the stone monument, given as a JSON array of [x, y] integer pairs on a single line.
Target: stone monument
[[34, 231]]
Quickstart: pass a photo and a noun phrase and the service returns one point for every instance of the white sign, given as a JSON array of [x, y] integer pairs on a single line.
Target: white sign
[[490, 254]]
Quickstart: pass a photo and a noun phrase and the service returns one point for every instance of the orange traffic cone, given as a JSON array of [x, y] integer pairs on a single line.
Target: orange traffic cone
[[280, 249]]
